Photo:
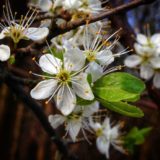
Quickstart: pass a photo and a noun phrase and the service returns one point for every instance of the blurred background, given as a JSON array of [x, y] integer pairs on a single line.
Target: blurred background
[[21, 134]]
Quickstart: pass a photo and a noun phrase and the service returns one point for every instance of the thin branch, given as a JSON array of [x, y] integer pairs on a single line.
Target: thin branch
[[18, 90], [122, 8]]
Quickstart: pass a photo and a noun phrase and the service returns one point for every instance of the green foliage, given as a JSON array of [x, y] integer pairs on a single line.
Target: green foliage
[[135, 137], [123, 108], [55, 52], [118, 86], [116, 89], [12, 59], [83, 102]]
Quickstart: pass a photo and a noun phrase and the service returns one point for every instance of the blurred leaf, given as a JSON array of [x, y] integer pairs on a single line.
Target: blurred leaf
[[135, 137], [12, 59], [123, 108], [83, 102], [118, 86]]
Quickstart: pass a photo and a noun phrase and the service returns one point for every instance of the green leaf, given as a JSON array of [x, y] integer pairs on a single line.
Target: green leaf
[[55, 52], [135, 137], [118, 86], [83, 102], [12, 59], [123, 108]]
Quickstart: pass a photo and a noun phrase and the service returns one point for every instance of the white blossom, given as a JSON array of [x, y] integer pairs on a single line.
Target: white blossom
[[147, 57], [66, 80], [75, 37], [107, 136], [4, 53], [76, 121], [21, 30], [98, 53], [92, 7], [83, 6]]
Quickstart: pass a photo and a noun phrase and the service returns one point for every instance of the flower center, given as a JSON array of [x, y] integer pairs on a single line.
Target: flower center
[[16, 33], [74, 116], [64, 76], [90, 55], [146, 57], [99, 132]]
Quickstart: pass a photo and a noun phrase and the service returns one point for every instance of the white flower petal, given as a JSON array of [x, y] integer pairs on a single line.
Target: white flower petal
[[90, 109], [66, 100], [146, 71], [2, 34], [57, 3], [45, 5], [74, 127], [74, 59], [106, 124], [155, 62], [94, 125], [144, 50], [95, 70], [105, 57], [132, 61], [142, 39], [157, 52], [115, 132], [67, 45], [56, 120], [156, 80], [50, 64], [139, 49], [72, 4], [103, 145], [44, 89], [36, 34], [4, 53], [155, 39], [82, 87]]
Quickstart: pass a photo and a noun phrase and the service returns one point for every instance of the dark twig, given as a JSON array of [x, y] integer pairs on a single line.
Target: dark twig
[[11, 82], [120, 9]]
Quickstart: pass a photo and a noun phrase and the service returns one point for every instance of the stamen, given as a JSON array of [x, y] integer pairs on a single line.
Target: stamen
[[53, 94], [42, 76], [53, 57]]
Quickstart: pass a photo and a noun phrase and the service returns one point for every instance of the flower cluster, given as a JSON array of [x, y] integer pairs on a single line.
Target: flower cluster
[[73, 6], [147, 58], [19, 30], [70, 77], [75, 70], [106, 136]]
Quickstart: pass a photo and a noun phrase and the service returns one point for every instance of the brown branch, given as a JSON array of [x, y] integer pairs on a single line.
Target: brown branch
[[36, 109], [120, 9]]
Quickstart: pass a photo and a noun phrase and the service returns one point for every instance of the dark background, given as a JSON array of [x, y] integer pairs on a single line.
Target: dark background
[[21, 134]]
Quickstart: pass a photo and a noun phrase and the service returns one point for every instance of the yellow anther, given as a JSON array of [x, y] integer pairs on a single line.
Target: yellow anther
[[30, 72], [34, 58], [46, 102]]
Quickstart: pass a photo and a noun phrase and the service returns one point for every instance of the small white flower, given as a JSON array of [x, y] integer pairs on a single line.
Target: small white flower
[[72, 4], [107, 136], [93, 7], [66, 80], [49, 5], [147, 58], [75, 37], [4, 53], [76, 121], [21, 30], [98, 53]]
